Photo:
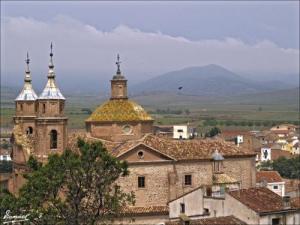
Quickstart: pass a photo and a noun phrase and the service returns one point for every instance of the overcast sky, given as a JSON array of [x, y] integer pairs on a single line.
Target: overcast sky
[[151, 37]]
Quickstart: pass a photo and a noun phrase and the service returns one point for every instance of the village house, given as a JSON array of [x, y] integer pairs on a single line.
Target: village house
[[272, 180], [250, 206]]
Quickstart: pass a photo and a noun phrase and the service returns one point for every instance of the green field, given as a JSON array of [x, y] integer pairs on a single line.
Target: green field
[[243, 112]]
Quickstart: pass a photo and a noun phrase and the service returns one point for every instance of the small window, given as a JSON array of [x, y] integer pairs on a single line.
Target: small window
[[182, 208], [140, 154], [61, 107], [275, 221], [179, 130], [186, 222], [275, 187], [44, 108], [188, 179], [53, 139], [21, 106], [141, 182], [29, 131], [206, 211]]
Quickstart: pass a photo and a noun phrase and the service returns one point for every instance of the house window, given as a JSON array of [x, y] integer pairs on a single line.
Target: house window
[[21, 106], [182, 208], [179, 130], [53, 139], [275, 221], [188, 179], [141, 182], [275, 187]]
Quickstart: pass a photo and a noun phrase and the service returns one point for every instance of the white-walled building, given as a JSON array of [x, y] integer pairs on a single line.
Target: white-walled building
[[272, 180]]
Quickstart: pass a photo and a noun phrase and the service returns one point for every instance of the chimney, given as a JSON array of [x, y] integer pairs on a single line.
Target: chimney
[[286, 202]]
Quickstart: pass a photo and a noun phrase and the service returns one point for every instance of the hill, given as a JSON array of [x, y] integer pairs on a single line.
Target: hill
[[210, 80]]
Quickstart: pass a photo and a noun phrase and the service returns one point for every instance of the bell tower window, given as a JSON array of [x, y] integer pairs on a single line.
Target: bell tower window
[[44, 108], [21, 106], [29, 131], [53, 139]]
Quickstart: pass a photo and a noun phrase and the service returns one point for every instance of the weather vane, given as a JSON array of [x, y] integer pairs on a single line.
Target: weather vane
[[118, 64]]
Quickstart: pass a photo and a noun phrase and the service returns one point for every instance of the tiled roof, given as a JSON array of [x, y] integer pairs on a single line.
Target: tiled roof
[[119, 110], [292, 185], [259, 199], [146, 210], [276, 153], [222, 178], [296, 202], [175, 149], [268, 176], [185, 149], [224, 220]]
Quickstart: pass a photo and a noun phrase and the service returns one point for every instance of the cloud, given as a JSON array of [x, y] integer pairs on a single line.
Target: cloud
[[83, 50]]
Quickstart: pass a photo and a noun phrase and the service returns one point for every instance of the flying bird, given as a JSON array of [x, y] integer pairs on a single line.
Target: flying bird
[[179, 88]]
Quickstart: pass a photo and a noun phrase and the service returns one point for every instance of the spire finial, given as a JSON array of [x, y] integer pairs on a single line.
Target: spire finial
[[27, 60], [27, 71], [51, 66], [118, 64]]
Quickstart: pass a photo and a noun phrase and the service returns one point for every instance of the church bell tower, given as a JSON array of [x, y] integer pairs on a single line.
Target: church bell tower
[[118, 84], [51, 122]]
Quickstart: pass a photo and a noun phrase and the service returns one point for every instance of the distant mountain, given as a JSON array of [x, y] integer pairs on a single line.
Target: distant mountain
[[211, 80]]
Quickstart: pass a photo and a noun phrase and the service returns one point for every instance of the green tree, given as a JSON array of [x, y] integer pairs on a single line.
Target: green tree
[[287, 168], [75, 188], [213, 132]]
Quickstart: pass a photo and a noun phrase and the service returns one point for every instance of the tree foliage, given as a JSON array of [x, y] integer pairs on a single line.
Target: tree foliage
[[75, 188], [213, 132], [287, 168]]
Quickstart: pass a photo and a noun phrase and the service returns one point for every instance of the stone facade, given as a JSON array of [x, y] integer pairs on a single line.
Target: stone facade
[[165, 178]]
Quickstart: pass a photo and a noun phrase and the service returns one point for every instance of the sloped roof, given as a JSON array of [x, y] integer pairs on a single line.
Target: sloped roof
[[268, 176], [222, 178], [146, 210], [259, 199], [185, 149], [224, 220], [119, 110], [196, 149]]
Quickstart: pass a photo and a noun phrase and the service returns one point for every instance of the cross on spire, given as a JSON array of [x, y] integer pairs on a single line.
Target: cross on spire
[[27, 60], [118, 63]]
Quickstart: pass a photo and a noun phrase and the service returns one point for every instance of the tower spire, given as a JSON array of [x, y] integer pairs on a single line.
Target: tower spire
[[51, 73], [27, 70], [118, 63]]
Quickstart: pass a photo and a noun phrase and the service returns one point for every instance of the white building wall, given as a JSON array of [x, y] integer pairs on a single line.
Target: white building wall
[[193, 204], [180, 132]]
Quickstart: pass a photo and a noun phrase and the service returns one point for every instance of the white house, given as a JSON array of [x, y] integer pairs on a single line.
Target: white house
[[183, 132], [272, 180]]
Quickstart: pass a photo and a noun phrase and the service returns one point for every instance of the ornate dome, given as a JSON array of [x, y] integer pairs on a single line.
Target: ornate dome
[[119, 110]]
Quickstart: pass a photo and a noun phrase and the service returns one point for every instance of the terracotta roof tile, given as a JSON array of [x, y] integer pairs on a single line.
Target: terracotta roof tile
[[225, 220], [185, 149], [176, 149], [146, 210], [296, 202], [259, 199], [268, 176]]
